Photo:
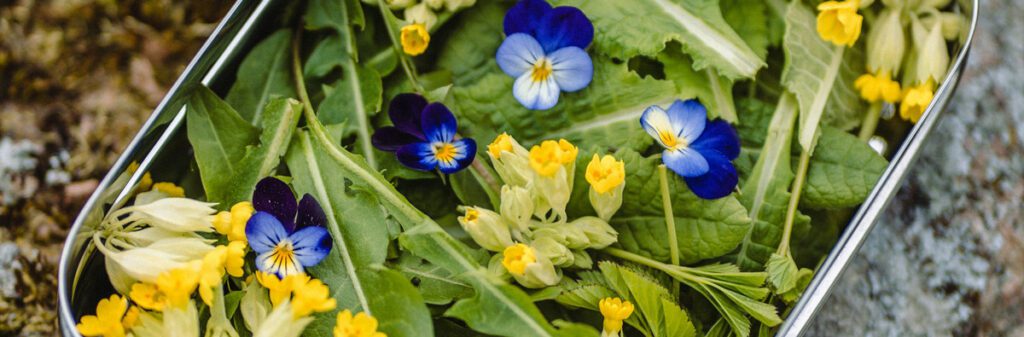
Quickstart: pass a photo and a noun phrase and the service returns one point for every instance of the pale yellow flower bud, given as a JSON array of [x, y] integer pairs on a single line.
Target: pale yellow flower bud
[[420, 13], [559, 254], [599, 233], [932, 56], [886, 43], [517, 207], [486, 228]]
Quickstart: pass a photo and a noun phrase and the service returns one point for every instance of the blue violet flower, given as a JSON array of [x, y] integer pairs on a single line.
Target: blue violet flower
[[698, 149], [423, 136], [544, 51], [286, 237]]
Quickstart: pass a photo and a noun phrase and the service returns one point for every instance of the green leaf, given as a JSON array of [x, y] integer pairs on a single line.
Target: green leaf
[[342, 105], [706, 228], [713, 90], [821, 76], [606, 113], [358, 226], [766, 191], [264, 74], [219, 137], [749, 18], [843, 173], [437, 285], [624, 29], [782, 273], [656, 313], [496, 304], [468, 51], [803, 279], [583, 293], [338, 15]]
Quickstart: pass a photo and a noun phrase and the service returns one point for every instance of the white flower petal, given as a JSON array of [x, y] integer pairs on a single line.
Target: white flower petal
[[536, 95], [518, 53], [572, 68], [655, 121]]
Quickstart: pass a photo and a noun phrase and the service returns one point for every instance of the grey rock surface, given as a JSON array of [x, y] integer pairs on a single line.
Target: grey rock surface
[[947, 258]]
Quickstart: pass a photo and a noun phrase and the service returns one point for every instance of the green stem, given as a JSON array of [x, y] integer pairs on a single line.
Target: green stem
[[794, 201], [870, 122], [407, 66], [670, 224]]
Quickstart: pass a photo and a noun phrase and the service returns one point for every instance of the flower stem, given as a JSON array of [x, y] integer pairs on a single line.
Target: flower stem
[[407, 66], [794, 201], [870, 122], [670, 224]]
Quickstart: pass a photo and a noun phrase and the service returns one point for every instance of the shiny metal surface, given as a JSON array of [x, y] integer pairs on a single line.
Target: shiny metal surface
[[242, 26]]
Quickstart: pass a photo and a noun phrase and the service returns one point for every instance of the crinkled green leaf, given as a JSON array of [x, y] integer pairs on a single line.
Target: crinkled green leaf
[[624, 29], [353, 270], [606, 113], [766, 191], [821, 75], [711, 89], [264, 74], [706, 228], [782, 273], [468, 50], [749, 18], [843, 173]]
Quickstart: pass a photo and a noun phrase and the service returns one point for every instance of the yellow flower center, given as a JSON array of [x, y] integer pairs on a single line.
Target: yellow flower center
[[283, 256], [415, 39], [471, 215], [444, 152], [615, 310], [546, 158], [541, 70], [605, 174], [518, 257], [671, 141], [147, 296], [502, 143]]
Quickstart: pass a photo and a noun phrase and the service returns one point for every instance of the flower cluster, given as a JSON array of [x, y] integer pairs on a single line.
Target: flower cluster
[[531, 231], [889, 59], [697, 149], [424, 136]]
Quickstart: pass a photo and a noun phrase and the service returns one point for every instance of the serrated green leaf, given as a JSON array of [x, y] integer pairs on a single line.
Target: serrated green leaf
[[263, 75], [605, 114], [843, 173], [624, 29], [766, 191], [803, 279], [782, 273], [821, 75], [437, 285], [706, 228], [357, 223], [656, 313], [583, 294]]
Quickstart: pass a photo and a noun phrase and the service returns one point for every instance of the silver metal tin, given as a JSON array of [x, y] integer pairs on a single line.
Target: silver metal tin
[[244, 25]]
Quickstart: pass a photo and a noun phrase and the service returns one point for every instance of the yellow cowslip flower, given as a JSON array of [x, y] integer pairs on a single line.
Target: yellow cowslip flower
[[211, 273], [615, 310], [131, 317], [605, 173], [280, 289], [546, 158], [146, 182], [838, 22], [878, 87], [235, 259], [502, 143], [415, 39], [108, 319], [178, 284], [170, 189], [311, 296], [360, 325], [148, 296], [518, 257], [915, 100], [232, 224]]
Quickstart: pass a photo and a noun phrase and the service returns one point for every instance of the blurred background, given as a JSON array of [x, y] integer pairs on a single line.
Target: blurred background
[[79, 77]]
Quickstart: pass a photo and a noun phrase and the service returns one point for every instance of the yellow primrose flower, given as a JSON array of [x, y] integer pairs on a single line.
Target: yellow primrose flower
[[280, 289], [415, 39], [838, 22], [232, 224], [518, 257], [169, 189], [878, 87], [211, 273], [146, 182], [108, 319], [915, 100], [131, 317], [605, 173], [235, 259], [546, 158], [615, 310], [502, 143], [178, 284], [360, 325], [148, 296], [311, 296]]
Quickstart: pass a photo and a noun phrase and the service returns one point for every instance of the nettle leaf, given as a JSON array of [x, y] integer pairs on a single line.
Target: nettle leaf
[[468, 50], [706, 228], [766, 191], [437, 285], [358, 225], [843, 173], [713, 90], [821, 75], [496, 307], [624, 29], [606, 113], [749, 18], [232, 156], [264, 74]]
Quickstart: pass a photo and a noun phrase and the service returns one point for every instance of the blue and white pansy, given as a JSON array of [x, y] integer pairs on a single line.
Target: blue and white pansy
[[423, 136], [544, 51], [698, 149], [287, 238]]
